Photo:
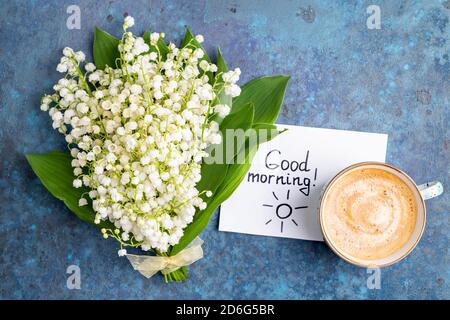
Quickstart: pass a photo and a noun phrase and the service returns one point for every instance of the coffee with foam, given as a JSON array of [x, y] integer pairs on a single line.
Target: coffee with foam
[[369, 213]]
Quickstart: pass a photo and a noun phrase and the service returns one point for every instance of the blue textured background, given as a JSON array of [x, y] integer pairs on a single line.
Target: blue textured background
[[394, 80]]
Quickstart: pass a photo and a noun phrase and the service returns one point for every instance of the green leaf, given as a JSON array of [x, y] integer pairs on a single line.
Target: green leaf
[[212, 176], [266, 131], [54, 169], [161, 44], [105, 49], [190, 42], [213, 170], [222, 68], [216, 174], [188, 36], [266, 93], [221, 64], [235, 174], [222, 97], [241, 119]]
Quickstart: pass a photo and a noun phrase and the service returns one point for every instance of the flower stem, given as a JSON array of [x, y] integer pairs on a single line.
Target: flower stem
[[177, 275]]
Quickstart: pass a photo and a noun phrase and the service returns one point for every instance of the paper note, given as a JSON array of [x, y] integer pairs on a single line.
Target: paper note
[[280, 194]]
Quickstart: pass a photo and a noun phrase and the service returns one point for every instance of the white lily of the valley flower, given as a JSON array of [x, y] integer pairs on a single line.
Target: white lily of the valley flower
[[138, 139]]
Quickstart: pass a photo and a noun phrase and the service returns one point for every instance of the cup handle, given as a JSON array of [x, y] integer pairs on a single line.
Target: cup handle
[[431, 189]]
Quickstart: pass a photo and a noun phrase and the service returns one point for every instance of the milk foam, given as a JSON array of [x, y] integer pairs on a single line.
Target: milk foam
[[369, 214]]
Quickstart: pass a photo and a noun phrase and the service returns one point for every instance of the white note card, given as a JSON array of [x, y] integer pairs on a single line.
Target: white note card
[[279, 195]]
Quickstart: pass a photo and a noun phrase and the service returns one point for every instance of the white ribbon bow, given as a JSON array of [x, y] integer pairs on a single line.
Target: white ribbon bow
[[149, 265]]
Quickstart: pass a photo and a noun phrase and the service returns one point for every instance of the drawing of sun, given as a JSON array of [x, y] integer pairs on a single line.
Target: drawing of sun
[[283, 210]]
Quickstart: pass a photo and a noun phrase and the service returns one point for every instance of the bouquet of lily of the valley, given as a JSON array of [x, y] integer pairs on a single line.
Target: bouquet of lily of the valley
[[158, 137]]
